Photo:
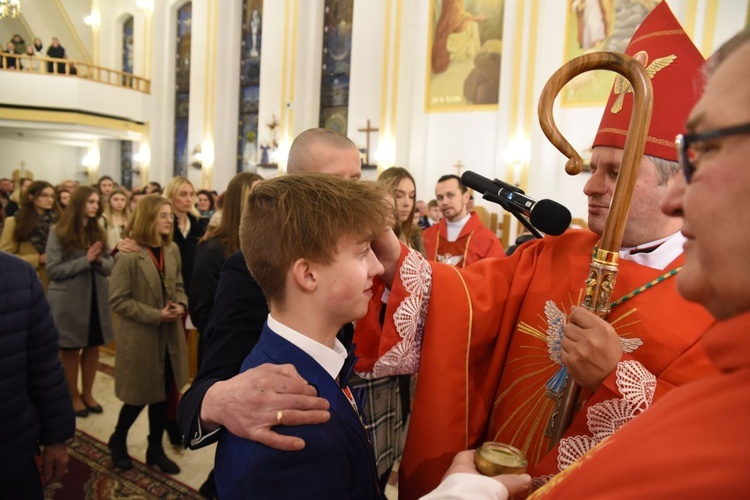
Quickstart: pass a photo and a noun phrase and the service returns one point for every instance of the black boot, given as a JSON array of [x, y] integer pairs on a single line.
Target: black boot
[[173, 432], [119, 448], [156, 457]]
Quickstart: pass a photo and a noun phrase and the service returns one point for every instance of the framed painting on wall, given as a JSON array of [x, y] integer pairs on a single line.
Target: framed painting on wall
[[464, 53], [595, 25]]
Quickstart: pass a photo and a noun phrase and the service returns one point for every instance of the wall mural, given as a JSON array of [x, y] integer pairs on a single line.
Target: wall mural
[[595, 25], [465, 44]]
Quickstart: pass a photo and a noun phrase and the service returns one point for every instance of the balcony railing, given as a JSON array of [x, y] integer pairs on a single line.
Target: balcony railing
[[78, 69]]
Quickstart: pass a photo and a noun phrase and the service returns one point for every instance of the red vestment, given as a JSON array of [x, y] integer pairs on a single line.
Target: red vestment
[[692, 444], [474, 242], [491, 345]]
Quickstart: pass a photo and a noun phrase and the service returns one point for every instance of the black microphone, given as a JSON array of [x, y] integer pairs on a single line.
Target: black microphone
[[546, 215]]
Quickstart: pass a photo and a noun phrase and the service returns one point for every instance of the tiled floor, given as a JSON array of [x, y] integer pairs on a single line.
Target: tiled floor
[[195, 464]]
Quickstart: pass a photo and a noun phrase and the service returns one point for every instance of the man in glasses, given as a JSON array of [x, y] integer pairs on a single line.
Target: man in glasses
[[491, 365], [694, 444]]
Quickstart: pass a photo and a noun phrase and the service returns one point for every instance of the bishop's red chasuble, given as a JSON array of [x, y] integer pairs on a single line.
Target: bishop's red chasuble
[[486, 343], [692, 444]]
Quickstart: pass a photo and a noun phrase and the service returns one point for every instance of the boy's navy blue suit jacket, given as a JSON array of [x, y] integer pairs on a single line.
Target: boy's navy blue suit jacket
[[337, 461]]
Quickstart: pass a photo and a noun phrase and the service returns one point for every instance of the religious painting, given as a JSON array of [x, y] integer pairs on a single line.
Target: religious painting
[[337, 56], [596, 25], [247, 125], [182, 88], [465, 49]]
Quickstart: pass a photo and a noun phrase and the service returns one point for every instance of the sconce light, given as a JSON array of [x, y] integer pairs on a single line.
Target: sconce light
[[517, 154], [385, 155], [197, 157], [93, 20], [145, 5], [138, 160]]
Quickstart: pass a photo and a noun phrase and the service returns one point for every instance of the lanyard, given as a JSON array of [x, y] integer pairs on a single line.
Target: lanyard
[[159, 263]]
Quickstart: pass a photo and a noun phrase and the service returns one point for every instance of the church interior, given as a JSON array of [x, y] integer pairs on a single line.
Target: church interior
[[136, 100]]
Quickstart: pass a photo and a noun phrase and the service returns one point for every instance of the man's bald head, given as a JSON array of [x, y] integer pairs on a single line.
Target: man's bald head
[[322, 150]]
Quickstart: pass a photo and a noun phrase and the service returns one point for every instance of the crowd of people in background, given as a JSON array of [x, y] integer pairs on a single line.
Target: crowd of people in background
[[84, 242], [72, 234], [22, 56]]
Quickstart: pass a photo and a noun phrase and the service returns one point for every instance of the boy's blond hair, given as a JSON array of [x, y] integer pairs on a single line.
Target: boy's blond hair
[[306, 216]]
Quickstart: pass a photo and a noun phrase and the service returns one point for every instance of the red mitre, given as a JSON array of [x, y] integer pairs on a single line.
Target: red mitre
[[675, 66]]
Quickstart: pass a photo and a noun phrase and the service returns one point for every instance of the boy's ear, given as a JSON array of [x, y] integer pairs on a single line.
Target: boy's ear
[[304, 275]]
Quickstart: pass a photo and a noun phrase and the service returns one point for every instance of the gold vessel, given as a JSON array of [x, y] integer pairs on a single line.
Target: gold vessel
[[493, 459]]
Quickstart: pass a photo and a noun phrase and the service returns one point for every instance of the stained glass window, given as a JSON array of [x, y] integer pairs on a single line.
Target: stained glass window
[[127, 50], [250, 49], [182, 89], [337, 54], [126, 164]]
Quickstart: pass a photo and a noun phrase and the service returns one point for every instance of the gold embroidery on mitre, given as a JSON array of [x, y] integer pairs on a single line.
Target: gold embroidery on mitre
[[622, 86]]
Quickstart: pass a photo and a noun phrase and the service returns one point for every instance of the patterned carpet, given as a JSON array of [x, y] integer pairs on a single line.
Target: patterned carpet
[[91, 476]]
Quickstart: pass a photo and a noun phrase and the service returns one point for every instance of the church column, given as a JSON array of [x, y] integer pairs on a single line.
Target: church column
[[209, 92], [95, 21], [226, 92]]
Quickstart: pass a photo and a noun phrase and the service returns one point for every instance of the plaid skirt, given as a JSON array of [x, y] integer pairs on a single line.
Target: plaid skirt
[[382, 414]]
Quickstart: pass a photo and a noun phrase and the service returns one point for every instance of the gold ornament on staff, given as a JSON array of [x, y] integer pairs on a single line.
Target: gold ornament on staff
[[603, 270]]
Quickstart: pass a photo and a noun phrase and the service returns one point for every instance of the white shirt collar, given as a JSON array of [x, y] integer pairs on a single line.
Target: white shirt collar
[[455, 228], [330, 359], [669, 249]]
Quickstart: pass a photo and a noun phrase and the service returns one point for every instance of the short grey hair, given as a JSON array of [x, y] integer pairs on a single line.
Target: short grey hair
[[665, 169]]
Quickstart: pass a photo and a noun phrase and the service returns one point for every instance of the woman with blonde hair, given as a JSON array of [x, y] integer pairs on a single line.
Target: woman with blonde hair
[[78, 263], [401, 185], [25, 234], [189, 226], [147, 293], [116, 216]]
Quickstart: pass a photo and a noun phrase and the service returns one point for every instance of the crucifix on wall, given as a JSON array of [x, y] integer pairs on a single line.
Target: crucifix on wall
[[458, 166], [367, 130], [20, 173]]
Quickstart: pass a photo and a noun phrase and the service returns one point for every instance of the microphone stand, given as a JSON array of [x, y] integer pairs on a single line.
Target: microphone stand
[[513, 210]]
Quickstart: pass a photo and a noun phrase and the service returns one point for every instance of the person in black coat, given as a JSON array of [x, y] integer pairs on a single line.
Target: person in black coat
[[36, 409], [212, 251], [218, 244], [58, 52]]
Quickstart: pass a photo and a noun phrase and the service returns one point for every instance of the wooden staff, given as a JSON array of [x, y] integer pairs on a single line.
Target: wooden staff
[[603, 271]]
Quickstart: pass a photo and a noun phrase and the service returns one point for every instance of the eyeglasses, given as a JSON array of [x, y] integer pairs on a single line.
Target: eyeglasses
[[689, 156]]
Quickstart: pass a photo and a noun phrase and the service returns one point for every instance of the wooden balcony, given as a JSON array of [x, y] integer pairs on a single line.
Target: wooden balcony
[[66, 67]]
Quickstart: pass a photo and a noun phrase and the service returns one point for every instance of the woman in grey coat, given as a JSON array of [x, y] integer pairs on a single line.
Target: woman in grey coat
[[147, 293], [77, 266]]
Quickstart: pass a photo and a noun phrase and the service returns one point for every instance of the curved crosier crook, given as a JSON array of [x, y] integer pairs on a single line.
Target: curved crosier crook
[[603, 271]]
